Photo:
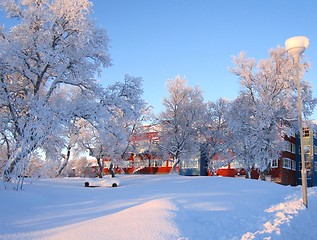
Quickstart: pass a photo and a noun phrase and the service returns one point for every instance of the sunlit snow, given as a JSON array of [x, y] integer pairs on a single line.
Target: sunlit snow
[[157, 207]]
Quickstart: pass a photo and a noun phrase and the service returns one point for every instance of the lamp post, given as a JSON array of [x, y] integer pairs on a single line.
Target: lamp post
[[296, 46]]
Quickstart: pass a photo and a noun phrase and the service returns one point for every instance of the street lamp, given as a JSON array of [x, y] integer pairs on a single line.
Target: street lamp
[[296, 46]]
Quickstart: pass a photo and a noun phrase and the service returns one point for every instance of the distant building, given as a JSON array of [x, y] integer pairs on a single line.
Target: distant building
[[144, 159], [310, 150], [225, 165], [283, 169], [197, 166]]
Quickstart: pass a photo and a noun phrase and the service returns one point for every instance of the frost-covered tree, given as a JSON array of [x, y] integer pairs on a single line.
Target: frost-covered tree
[[65, 144], [215, 134], [76, 167], [181, 121], [54, 44], [128, 112], [243, 128], [62, 145], [119, 115], [265, 110], [36, 167]]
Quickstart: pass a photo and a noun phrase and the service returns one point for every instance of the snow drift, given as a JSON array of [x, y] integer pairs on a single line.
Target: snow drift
[[158, 207]]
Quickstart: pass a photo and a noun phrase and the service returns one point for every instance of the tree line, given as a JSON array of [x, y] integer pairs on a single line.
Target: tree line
[[52, 105]]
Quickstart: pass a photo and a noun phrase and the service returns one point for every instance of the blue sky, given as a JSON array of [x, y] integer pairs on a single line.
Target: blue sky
[[158, 40], [196, 39]]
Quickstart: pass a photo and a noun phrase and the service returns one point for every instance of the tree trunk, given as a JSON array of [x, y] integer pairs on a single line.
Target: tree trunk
[[100, 172], [9, 170], [20, 154], [64, 164], [175, 163]]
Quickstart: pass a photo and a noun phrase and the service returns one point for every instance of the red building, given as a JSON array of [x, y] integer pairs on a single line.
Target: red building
[[145, 159], [224, 165], [283, 170]]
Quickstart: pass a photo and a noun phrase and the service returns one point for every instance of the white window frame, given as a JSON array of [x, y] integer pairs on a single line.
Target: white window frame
[[287, 146], [293, 163], [287, 163], [274, 163], [293, 147]]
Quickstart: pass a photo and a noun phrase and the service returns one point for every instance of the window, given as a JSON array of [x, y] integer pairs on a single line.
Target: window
[[293, 146], [307, 164], [289, 147], [165, 163], [293, 165], [306, 149], [189, 164], [315, 149], [287, 163], [274, 163], [156, 162], [305, 132]]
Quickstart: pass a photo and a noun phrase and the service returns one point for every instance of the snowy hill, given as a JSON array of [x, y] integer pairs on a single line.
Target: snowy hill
[[158, 207]]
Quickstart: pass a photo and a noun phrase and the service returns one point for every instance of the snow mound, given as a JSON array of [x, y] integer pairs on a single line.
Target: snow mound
[[103, 182], [155, 217], [281, 218]]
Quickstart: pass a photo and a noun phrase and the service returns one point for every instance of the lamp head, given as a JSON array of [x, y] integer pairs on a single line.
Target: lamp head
[[296, 46]]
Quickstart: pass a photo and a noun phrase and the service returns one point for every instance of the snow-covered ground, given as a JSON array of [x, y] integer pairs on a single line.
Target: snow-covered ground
[[158, 207]]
